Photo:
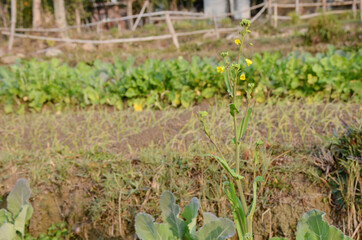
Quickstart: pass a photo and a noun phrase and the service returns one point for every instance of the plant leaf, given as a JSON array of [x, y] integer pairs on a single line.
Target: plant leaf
[[20, 220], [7, 231], [18, 197], [255, 185], [170, 212], [312, 226], [237, 208], [190, 214], [164, 232], [244, 124], [209, 217], [226, 166], [219, 229], [5, 216], [145, 227], [233, 110]]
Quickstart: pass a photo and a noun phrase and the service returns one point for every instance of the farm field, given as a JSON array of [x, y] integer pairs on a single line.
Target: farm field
[[89, 161], [156, 84], [265, 135]]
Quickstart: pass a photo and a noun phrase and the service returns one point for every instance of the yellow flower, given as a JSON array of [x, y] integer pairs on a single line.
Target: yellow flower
[[137, 107], [237, 41], [176, 101], [220, 69], [242, 77], [248, 61]]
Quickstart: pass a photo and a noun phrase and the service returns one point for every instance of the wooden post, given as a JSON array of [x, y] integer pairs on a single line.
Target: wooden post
[[13, 24], [324, 6], [78, 21], [270, 10], [140, 15], [36, 11], [360, 9], [3, 8], [354, 8], [172, 30], [60, 18], [149, 10], [297, 7], [130, 13], [275, 15], [119, 27], [98, 27], [216, 28]]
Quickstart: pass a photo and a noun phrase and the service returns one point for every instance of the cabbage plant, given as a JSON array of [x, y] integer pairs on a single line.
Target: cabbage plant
[[175, 227], [18, 212], [312, 227]]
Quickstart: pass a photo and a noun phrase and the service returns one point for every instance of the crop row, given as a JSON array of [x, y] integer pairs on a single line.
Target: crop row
[[32, 84]]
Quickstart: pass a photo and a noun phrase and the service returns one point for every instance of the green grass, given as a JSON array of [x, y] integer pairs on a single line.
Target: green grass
[[85, 158]]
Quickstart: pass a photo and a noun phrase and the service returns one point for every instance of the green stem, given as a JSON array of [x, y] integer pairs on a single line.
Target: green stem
[[237, 146], [237, 153]]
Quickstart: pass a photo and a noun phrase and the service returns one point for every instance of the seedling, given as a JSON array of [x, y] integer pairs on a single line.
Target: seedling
[[18, 213]]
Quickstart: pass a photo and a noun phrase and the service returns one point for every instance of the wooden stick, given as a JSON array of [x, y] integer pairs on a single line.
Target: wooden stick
[[216, 28], [13, 23], [360, 9], [140, 15], [291, 5], [339, 3], [354, 8], [121, 40], [297, 7], [258, 14], [275, 15], [324, 5], [3, 10], [77, 19], [270, 11], [172, 30], [98, 28], [329, 12], [119, 27]]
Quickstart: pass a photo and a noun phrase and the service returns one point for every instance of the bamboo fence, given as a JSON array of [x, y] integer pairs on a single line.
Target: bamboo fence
[[168, 16]]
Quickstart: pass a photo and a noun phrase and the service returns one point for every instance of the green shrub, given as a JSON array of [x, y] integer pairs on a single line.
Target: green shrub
[[294, 17], [55, 232], [346, 177], [324, 28]]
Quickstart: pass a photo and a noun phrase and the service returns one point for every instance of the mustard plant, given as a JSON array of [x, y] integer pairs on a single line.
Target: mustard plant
[[234, 72]]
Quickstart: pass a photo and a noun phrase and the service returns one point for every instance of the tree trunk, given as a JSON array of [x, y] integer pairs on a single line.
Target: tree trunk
[[77, 18], [36, 13], [174, 5], [59, 13], [130, 13], [3, 11], [13, 24]]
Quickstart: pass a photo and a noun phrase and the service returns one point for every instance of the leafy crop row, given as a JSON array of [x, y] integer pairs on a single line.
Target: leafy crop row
[[32, 84]]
